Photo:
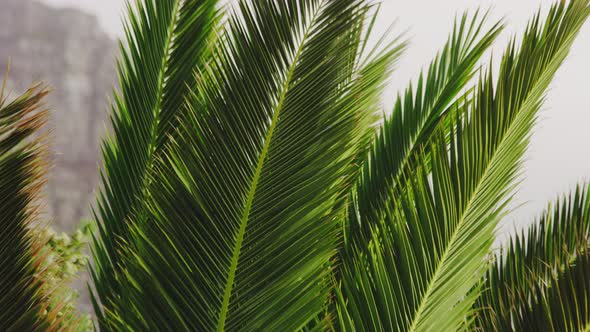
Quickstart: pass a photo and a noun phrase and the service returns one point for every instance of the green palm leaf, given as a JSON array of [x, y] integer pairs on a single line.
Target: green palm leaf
[[239, 228], [427, 253], [24, 299], [565, 306], [415, 115], [167, 40], [525, 285]]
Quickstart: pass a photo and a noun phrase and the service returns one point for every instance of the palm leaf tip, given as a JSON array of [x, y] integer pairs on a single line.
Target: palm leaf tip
[[415, 116]]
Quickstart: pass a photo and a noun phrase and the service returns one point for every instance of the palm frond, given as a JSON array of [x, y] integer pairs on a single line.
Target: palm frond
[[522, 282], [239, 230], [415, 115], [426, 256], [565, 306], [166, 41], [371, 75], [24, 298], [372, 70]]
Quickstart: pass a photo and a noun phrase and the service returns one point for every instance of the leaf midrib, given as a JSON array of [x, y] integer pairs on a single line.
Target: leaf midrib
[[257, 174], [161, 81], [139, 190], [152, 150]]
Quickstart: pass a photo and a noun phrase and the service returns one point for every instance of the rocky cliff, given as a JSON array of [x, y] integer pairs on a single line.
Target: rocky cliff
[[68, 50]]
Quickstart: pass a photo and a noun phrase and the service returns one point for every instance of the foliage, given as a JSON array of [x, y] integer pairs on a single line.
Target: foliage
[[24, 295], [416, 114], [541, 270], [167, 41], [65, 261], [280, 171], [38, 263], [245, 187], [424, 262]]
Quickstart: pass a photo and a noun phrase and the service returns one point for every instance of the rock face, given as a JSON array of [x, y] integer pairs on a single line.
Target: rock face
[[68, 50]]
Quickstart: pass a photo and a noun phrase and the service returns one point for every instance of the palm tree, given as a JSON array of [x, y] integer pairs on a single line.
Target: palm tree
[[244, 185]]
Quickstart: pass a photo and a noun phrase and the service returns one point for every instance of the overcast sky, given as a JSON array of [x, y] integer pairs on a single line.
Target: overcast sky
[[560, 151]]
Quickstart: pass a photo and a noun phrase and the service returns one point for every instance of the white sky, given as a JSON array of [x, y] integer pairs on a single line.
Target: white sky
[[560, 151]]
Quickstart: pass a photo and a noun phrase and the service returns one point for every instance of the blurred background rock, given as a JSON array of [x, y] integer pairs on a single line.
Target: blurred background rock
[[67, 49]]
